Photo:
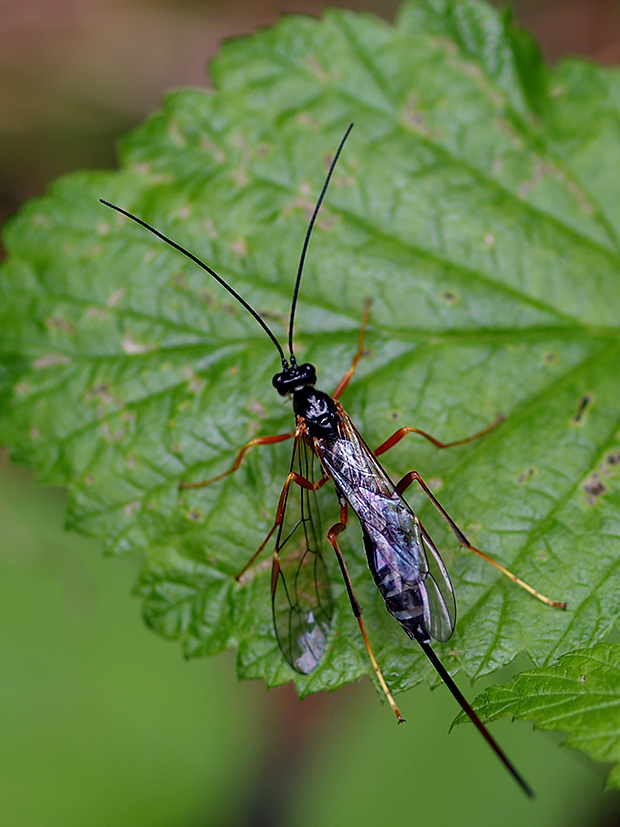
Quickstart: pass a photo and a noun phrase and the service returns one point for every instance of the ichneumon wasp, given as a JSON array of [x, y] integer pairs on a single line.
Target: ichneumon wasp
[[405, 563]]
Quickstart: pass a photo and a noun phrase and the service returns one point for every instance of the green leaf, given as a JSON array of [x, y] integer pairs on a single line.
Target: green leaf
[[473, 204], [579, 694]]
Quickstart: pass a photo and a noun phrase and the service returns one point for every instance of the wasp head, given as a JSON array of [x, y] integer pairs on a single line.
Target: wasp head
[[293, 378]]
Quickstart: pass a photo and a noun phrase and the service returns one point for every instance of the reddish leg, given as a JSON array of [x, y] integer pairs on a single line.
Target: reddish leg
[[360, 352], [402, 432], [332, 534], [259, 440], [304, 483], [413, 476]]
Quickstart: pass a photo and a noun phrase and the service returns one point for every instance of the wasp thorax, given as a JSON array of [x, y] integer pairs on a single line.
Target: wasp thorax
[[319, 412], [294, 378]]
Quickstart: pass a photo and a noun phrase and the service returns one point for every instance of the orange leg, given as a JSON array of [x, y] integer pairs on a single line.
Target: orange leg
[[332, 534], [360, 352], [413, 476], [259, 440], [304, 483], [402, 432]]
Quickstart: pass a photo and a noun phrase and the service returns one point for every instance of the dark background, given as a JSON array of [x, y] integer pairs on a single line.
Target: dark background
[[102, 723]]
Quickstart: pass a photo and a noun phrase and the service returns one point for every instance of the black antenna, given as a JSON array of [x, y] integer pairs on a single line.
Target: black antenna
[[206, 267], [307, 241]]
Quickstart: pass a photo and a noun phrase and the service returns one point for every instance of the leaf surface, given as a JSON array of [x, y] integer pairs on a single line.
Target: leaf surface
[[473, 204], [580, 694]]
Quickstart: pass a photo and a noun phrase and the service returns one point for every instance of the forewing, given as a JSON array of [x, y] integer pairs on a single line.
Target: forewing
[[302, 602], [402, 557]]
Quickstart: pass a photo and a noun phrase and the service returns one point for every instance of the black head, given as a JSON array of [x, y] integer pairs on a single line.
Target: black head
[[294, 377], [319, 412]]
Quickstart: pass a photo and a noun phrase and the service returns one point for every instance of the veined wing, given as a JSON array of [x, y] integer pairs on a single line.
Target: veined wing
[[402, 557], [302, 601], [439, 592]]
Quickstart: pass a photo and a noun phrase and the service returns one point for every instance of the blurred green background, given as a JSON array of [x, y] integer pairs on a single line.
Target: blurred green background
[[101, 722]]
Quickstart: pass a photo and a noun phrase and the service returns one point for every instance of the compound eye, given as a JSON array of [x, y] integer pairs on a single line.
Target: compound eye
[[279, 384], [307, 373]]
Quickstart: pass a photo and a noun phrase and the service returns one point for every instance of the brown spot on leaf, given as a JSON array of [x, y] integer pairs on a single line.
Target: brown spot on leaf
[[316, 68], [50, 360], [58, 323], [115, 297], [194, 383], [240, 247], [179, 281], [207, 298], [594, 487], [328, 221], [413, 116], [274, 316], [345, 181], [256, 408], [111, 436], [131, 507], [39, 220], [308, 120], [526, 475], [96, 313], [102, 393], [582, 407], [450, 297], [210, 226], [132, 347], [214, 151], [229, 309]]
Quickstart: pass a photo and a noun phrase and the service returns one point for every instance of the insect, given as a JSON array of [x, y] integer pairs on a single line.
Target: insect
[[403, 559]]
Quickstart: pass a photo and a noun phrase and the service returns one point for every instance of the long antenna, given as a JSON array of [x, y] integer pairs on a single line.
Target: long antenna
[[430, 654], [206, 267], [307, 241]]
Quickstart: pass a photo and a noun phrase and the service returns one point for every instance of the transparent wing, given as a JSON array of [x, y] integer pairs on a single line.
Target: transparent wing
[[440, 594], [403, 559], [302, 601]]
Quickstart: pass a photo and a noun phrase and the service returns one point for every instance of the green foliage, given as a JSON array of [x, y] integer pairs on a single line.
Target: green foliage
[[579, 694], [474, 204]]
